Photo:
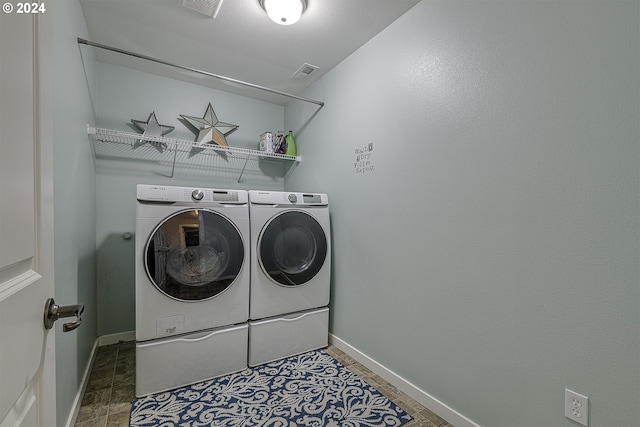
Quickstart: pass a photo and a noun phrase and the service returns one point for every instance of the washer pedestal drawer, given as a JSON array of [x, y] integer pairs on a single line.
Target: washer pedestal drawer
[[287, 335], [169, 363]]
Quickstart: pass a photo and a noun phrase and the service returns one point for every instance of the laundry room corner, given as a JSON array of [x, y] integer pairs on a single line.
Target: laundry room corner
[[124, 95], [466, 195]]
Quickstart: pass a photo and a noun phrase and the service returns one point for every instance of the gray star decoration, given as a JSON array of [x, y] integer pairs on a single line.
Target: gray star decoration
[[151, 128], [209, 128]]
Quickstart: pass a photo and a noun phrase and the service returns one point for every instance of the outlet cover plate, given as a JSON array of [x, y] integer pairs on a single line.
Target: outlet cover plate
[[576, 407]]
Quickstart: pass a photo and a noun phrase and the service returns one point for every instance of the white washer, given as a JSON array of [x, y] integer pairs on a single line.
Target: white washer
[[290, 274], [192, 285]]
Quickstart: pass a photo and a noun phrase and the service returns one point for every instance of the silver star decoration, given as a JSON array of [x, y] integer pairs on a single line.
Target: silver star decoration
[[209, 128], [151, 128]]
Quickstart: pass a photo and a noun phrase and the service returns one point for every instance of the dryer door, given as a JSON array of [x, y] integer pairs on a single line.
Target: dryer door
[[292, 248], [194, 255]]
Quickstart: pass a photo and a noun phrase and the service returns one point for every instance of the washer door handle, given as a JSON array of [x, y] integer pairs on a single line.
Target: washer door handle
[[53, 312]]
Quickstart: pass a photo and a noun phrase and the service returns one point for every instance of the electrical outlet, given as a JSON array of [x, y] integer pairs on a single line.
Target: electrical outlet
[[576, 407]]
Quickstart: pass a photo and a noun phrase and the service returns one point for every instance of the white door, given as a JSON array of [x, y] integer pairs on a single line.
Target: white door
[[27, 365]]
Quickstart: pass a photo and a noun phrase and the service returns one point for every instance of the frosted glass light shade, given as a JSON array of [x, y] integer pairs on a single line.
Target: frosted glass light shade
[[284, 12]]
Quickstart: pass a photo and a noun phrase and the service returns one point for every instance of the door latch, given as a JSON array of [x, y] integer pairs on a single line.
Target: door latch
[[53, 312]]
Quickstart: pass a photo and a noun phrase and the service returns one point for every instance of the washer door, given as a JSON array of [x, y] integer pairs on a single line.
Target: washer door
[[194, 255], [292, 248]]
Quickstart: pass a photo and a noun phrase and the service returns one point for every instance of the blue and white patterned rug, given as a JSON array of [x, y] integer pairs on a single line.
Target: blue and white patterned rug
[[311, 389]]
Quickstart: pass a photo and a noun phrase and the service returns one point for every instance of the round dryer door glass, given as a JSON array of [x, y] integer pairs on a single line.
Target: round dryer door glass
[[194, 255], [292, 248]]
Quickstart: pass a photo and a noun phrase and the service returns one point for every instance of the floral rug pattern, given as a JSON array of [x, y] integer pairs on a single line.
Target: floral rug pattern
[[311, 389]]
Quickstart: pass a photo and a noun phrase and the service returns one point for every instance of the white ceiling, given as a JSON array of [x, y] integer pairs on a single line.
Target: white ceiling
[[241, 42]]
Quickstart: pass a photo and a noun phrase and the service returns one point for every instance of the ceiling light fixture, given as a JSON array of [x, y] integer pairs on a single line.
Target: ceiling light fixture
[[284, 12]]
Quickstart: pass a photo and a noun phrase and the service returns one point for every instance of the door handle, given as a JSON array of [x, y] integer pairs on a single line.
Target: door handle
[[53, 312]]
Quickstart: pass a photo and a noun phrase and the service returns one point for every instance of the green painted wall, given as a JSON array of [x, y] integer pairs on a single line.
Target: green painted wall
[[488, 252], [74, 199]]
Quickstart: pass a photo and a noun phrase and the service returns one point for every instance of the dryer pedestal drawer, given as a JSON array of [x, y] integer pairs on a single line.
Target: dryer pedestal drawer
[[279, 337], [168, 363]]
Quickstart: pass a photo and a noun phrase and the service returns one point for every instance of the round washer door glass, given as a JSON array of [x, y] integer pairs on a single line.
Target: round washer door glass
[[194, 255], [292, 248]]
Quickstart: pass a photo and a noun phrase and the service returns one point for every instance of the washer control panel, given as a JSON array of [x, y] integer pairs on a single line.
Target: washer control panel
[[170, 194], [225, 196], [312, 198]]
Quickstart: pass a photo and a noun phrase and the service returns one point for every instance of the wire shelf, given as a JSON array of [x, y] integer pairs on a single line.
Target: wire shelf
[[111, 143]]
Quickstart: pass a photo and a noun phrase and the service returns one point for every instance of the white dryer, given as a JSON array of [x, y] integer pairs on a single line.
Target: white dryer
[[290, 274], [192, 285]]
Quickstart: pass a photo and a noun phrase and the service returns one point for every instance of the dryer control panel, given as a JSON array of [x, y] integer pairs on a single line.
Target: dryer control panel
[[287, 198]]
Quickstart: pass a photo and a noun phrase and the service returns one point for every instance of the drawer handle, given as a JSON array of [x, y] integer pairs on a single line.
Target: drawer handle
[[293, 319]]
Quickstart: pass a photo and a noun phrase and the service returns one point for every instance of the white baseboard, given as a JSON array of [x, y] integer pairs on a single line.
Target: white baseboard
[[116, 338], [400, 383], [77, 402], [420, 396]]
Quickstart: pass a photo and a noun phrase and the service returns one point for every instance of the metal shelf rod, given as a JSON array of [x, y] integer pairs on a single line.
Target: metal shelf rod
[[194, 70]]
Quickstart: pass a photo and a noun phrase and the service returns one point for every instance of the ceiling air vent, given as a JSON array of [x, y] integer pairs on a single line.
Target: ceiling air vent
[[206, 7], [304, 71]]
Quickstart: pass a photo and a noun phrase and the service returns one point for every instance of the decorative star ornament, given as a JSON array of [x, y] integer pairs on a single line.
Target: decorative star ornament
[[151, 128], [209, 128]]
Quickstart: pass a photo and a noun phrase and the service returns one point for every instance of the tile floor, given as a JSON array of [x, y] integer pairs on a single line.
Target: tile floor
[[111, 389], [422, 417]]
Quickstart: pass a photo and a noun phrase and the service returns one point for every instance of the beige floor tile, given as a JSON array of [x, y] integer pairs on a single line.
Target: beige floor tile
[[120, 419], [95, 422]]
